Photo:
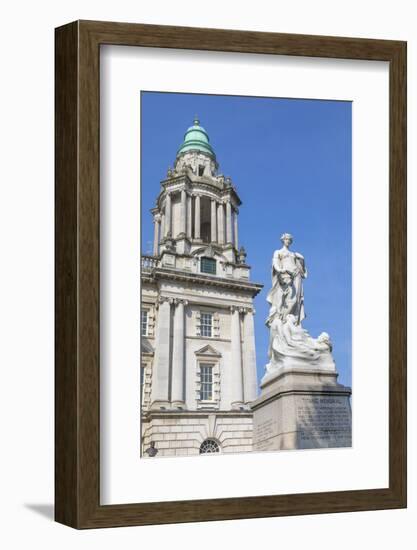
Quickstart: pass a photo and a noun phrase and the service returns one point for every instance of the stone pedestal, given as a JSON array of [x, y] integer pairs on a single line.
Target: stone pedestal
[[301, 409]]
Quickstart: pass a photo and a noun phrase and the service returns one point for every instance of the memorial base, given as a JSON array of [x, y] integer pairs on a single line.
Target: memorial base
[[301, 409]]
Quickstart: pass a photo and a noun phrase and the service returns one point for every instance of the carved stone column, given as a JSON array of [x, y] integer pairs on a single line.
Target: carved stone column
[[162, 233], [156, 233], [249, 357], [213, 221], [183, 221], [197, 228], [168, 215], [236, 230], [160, 374], [178, 355], [220, 223], [236, 382], [189, 217], [229, 236]]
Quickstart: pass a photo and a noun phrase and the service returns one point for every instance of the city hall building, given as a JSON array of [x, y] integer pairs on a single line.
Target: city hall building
[[198, 363]]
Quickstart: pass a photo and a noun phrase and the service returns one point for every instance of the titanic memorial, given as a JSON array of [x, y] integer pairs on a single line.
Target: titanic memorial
[[301, 404]]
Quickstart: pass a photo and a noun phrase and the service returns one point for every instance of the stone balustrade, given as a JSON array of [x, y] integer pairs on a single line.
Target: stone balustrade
[[149, 262]]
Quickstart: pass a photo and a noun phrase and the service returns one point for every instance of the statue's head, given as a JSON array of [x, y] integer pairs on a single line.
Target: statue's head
[[324, 338], [286, 239]]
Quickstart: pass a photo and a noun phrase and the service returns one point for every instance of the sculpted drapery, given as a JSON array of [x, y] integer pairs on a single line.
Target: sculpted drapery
[[286, 295]]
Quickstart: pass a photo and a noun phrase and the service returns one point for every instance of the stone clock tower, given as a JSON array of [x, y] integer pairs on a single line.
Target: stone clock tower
[[198, 368]]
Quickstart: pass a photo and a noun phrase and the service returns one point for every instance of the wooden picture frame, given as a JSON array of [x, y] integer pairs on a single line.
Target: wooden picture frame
[[77, 382]]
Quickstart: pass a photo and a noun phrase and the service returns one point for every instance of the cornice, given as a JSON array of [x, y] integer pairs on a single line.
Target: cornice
[[233, 284], [197, 151], [195, 184], [190, 412]]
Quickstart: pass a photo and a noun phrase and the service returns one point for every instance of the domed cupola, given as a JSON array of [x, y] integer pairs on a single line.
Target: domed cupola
[[196, 139]]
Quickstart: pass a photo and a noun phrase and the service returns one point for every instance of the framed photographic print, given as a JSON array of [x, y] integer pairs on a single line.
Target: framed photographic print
[[230, 274]]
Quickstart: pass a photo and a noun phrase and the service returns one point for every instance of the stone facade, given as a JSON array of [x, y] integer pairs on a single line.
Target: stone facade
[[198, 369], [183, 434]]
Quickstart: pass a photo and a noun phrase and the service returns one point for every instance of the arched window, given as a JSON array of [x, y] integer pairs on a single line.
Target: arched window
[[209, 446]]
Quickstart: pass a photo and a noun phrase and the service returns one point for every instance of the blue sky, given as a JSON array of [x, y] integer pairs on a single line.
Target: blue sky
[[290, 160]]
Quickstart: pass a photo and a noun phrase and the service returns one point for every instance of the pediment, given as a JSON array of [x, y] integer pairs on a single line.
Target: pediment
[[209, 251], [208, 351]]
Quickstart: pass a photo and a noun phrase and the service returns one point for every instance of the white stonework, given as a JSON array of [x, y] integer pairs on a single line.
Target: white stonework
[[182, 434], [301, 405], [198, 353], [302, 410]]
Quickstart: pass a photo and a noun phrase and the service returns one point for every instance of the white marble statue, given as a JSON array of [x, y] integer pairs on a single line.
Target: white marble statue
[[288, 271], [289, 344]]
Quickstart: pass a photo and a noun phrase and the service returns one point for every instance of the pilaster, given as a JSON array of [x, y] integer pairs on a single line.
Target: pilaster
[[160, 375], [178, 355], [249, 357], [236, 390]]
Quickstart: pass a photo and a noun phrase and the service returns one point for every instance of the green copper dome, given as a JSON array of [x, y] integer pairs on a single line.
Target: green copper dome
[[196, 138]]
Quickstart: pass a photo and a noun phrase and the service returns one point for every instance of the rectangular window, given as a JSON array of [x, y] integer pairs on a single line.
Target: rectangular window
[[206, 377], [208, 265], [206, 324], [144, 322]]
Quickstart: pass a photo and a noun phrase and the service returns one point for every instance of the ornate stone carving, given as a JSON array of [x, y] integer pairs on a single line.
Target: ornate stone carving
[[289, 344], [246, 310], [162, 299], [241, 257], [177, 301], [288, 271], [169, 242]]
